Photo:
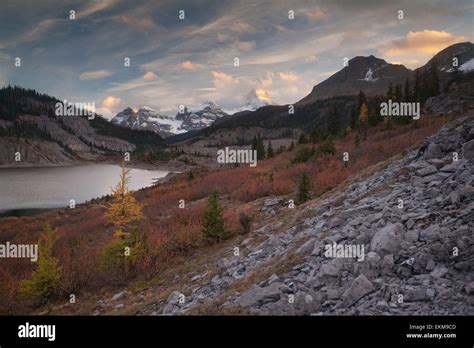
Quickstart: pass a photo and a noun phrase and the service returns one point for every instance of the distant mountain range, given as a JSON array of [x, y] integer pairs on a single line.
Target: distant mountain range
[[146, 118], [189, 119]]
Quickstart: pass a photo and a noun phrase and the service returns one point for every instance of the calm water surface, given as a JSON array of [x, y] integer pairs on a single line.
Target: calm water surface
[[54, 187]]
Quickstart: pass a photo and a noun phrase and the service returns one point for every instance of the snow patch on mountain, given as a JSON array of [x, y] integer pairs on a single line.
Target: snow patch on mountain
[[368, 76], [467, 66]]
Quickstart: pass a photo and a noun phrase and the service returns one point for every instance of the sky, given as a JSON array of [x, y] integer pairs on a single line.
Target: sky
[[76, 50]]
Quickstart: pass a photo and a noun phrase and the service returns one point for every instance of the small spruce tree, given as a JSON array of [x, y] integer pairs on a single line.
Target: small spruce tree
[[303, 189], [407, 91], [334, 122], [270, 152], [353, 123], [257, 144], [213, 223], [357, 140], [190, 175]]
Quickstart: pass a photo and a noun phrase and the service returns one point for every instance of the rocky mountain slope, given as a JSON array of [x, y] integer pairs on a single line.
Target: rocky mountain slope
[[412, 217], [464, 52], [458, 96], [373, 75], [369, 74]]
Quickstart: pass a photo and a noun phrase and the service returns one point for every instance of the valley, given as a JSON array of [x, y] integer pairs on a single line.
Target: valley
[[334, 172]]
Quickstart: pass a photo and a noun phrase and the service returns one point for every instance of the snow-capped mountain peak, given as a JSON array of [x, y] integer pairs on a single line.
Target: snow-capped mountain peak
[[252, 103], [210, 105], [147, 108], [199, 117], [146, 118]]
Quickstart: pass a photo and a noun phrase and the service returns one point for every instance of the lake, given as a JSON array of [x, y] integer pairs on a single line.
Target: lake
[[26, 190]]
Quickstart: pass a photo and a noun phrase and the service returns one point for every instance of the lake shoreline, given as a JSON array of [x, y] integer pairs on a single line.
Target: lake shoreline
[[31, 190], [164, 166]]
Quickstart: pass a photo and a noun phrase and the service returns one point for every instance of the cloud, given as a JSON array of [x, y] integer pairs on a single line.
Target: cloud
[[288, 76], [110, 106], [417, 47], [223, 37], [94, 6], [188, 65], [222, 79], [4, 56], [267, 81], [313, 14], [130, 85], [144, 23], [407, 62], [311, 59], [149, 76], [263, 95], [245, 45], [96, 74], [243, 27], [281, 28], [296, 50], [38, 30], [327, 73], [111, 102], [206, 89], [426, 42]]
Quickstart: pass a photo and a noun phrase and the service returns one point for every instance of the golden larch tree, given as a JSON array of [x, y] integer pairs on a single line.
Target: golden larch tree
[[363, 114], [364, 118], [125, 210], [45, 282]]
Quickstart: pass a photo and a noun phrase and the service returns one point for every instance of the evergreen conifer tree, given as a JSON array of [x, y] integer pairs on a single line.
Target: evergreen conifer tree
[[303, 189], [407, 91], [270, 152], [334, 122], [213, 222]]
